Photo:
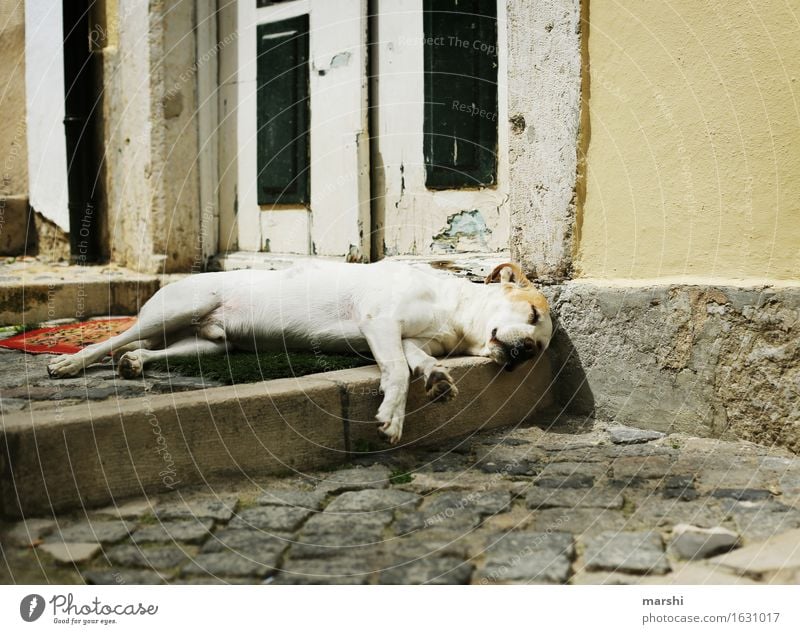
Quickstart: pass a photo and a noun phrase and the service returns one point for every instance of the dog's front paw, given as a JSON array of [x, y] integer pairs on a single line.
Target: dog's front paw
[[392, 430], [130, 365], [440, 387], [64, 367], [391, 419]]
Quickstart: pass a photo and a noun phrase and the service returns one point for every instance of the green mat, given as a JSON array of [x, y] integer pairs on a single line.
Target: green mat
[[249, 367]]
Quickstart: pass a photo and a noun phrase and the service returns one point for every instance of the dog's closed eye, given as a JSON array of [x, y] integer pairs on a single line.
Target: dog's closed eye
[[534, 318]]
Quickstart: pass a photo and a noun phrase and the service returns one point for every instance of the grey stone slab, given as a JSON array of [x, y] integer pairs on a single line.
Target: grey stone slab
[[528, 557], [271, 518], [27, 532], [249, 542], [743, 495], [11, 405], [313, 500], [330, 571], [70, 552], [694, 542], [481, 502], [124, 577], [519, 460], [679, 487], [567, 468], [335, 535], [130, 556], [102, 531], [622, 435], [577, 520], [232, 564], [761, 520], [374, 477], [574, 481], [642, 467], [454, 510], [188, 531], [220, 508], [370, 500], [428, 571], [638, 553], [542, 498], [777, 553]]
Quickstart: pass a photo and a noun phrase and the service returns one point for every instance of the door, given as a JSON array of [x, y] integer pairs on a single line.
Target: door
[[441, 171], [303, 153]]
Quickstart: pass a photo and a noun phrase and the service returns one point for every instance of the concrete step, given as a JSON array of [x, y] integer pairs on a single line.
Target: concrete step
[[89, 454], [32, 292]]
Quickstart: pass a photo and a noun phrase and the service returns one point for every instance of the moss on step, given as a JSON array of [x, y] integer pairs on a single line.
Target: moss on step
[[249, 367]]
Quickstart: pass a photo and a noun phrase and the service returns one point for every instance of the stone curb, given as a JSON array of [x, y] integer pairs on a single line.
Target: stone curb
[[89, 454]]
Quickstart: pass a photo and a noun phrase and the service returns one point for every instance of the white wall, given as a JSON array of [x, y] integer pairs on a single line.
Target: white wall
[[44, 83]]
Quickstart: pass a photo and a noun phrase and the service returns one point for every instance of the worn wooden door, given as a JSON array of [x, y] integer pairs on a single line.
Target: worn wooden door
[[303, 155], [441, 172]]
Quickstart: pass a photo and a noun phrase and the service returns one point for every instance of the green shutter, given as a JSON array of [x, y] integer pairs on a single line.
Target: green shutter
[[283, 112], [460, 144]]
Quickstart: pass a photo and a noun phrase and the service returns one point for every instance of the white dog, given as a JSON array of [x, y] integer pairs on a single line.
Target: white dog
[[404, 315]]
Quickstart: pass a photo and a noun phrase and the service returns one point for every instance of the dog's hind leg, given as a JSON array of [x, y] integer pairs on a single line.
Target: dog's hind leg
[[439, 385], [384, 339], [170, 309], [132, 363]]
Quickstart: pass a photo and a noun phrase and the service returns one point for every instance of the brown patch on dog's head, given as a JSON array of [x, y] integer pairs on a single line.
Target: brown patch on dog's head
[[522, 289]]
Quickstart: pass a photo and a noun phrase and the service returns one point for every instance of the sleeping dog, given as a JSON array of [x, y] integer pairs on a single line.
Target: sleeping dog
[[402, 314]]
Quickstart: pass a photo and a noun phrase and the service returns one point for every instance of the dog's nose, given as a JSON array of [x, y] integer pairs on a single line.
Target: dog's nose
[[530, 344]]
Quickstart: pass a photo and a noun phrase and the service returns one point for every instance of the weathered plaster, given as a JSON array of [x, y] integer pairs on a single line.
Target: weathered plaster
[[544, 87], [151, 136], [709, 360], [693, 165]]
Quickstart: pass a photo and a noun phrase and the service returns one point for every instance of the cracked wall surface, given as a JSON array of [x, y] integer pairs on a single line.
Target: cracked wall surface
[[717, 361], [544, 89]]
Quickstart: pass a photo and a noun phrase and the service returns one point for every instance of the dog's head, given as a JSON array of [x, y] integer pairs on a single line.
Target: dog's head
[[520, 327]]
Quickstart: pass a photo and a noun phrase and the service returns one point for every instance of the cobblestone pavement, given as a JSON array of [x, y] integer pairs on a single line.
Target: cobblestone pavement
[[583, 502], [24, 383]]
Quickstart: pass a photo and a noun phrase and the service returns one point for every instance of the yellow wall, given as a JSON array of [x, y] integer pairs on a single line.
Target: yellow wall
[[693, 150]]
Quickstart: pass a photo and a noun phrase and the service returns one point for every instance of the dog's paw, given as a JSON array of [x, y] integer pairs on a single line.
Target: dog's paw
[[440, 387], [392, 430], [64, 367], [130, 365]]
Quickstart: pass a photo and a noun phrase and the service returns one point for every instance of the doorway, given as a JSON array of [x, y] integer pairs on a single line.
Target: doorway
[[372, 129]]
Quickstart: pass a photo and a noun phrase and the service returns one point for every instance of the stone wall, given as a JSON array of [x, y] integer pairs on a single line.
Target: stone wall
[[544, 93], [717, 361], [152, 186], [14, 216]]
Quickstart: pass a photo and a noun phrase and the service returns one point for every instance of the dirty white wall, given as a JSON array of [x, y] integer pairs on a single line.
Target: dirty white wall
[[44, 83]]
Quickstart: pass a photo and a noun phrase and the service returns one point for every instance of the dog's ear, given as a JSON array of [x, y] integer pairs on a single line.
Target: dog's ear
[[505, 271]]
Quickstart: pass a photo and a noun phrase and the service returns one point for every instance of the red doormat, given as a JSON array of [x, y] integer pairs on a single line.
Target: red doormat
[[69, 338]]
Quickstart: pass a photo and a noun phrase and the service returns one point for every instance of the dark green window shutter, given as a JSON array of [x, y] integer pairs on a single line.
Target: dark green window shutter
[[282, 112], [460, 144]]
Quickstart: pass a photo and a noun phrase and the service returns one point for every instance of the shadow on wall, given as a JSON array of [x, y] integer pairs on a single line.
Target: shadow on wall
[[570, 387]]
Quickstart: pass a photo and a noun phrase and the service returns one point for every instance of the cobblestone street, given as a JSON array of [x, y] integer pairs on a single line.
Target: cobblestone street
[[581, 503], [25, 384]]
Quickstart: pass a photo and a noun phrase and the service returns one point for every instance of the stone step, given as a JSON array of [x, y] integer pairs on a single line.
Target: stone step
[[93, 453], [30, 294]]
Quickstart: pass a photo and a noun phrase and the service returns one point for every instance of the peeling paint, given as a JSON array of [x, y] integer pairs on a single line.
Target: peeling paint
[[340, 59], [465, 231]]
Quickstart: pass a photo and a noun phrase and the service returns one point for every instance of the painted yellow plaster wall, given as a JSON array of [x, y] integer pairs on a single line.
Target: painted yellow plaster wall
[[693, 145]]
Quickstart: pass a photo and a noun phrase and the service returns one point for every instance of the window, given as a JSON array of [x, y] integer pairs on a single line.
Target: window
[[460, 146]]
